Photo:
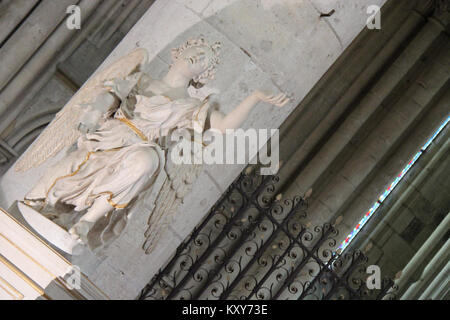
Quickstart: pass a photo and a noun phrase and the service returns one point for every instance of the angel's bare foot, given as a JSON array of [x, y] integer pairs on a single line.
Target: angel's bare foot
[[81, 229], [35, 204], [50, 216]]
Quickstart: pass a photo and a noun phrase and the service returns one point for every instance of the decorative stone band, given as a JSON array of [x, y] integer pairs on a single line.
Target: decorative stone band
[[31, 269], [88, 156], [134, 128]]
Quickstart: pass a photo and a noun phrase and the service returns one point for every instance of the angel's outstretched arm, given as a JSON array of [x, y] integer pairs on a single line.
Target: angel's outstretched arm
[[235, 118]]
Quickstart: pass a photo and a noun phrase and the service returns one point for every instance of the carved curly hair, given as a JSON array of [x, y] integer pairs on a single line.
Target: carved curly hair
[[214, 60]]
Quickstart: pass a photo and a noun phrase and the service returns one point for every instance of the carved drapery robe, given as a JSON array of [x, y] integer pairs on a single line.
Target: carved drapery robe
[[121, 159]]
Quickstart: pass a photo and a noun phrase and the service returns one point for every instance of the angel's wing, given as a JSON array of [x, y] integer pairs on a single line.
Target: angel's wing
[[178, 183], [62, 131]]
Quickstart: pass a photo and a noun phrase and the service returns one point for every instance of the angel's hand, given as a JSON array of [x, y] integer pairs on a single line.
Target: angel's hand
[[279, 100], [93, 113], [89, 121], [84, 128]]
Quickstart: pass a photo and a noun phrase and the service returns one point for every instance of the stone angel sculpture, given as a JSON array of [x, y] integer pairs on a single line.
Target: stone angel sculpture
[[116, 127]]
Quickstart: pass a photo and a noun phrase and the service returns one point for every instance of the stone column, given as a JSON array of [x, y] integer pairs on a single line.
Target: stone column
[[31, 269], [436, 264], [423, 254], [438, 288]]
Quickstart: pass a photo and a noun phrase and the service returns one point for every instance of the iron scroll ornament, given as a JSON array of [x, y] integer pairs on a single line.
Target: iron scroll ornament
[[254, 246]]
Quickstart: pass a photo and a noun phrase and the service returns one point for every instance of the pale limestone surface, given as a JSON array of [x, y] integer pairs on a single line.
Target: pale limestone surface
[[271, 45]]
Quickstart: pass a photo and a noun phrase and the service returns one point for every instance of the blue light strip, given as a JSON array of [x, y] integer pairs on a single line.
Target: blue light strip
[[391, 187]]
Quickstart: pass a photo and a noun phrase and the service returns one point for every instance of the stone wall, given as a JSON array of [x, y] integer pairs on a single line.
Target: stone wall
[[378, 111], [348, 139], [275, 46], [412, 214]]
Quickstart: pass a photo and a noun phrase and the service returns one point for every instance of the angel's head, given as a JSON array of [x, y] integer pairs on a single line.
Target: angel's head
[[196, 59]]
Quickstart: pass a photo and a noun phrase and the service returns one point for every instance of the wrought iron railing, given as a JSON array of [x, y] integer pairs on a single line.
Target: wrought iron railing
[[254, 245]]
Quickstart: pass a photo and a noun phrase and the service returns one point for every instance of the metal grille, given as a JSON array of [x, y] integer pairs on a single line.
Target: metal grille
[[254, 245]]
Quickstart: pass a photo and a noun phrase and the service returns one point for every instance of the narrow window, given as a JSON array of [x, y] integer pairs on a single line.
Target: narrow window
[[391, 187]]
